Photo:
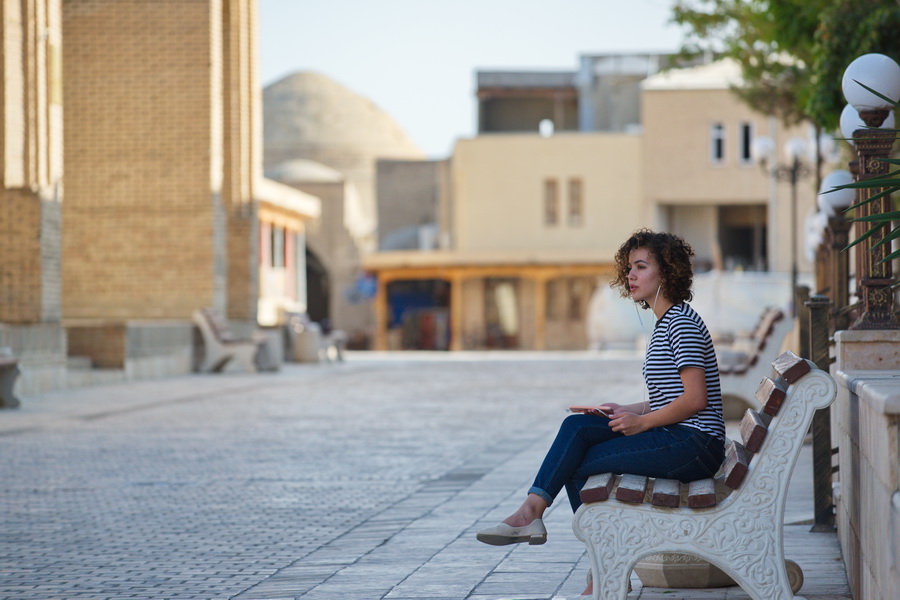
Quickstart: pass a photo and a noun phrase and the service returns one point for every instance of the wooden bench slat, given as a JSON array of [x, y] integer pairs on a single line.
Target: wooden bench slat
[[771, 395], [702, 493], [736, 464], [598, 488], [790, 366], [632, 488], [754, 427], [666, 492]]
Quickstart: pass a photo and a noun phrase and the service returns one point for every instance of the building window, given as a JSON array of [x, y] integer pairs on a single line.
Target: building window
[[746, 143], [717, 143], [576, 203], [551, 202], [277, 246]]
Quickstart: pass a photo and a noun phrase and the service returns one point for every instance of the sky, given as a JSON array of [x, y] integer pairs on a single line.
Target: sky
[[417, 59]]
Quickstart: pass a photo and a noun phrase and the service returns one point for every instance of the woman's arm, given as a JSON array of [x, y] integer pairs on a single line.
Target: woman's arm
[[692, 401]]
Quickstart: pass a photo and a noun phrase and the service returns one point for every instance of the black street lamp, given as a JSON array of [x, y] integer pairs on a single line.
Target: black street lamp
[[793, 172]]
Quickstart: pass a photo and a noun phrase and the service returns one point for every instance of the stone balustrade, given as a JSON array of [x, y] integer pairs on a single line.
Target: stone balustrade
[[866, 429]]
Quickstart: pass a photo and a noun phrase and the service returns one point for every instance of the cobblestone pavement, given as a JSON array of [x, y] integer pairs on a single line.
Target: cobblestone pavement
[[359, 480]]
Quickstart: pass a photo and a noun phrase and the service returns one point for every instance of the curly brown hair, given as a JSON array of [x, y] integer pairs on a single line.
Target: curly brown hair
[[674, 257]]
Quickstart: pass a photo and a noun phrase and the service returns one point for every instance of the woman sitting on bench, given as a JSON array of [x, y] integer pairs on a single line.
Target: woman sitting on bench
[[679, 433]]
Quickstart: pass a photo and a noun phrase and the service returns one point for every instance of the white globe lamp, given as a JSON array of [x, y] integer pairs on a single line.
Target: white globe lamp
[[795, 148], [832, 202], [879, 72], [851, 122], [762, 149]]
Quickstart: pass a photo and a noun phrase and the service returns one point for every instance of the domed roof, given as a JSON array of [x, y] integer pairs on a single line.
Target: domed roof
[[308, 115], [303, 170]]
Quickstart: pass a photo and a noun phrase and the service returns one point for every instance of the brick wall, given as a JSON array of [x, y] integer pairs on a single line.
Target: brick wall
[[243, 264], [142, 143], [29, 258], [242, 160], [30, 162]]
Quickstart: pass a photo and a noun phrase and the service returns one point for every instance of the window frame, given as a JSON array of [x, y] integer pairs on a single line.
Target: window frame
[[575, 212], [551, 202], [746, 133], [717, 143]]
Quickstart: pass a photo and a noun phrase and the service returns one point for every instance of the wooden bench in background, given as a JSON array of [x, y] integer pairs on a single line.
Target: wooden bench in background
[[744, 364], [735, 521], [221, 346]]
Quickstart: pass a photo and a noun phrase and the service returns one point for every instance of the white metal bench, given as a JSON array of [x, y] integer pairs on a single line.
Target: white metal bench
[[735, 521]]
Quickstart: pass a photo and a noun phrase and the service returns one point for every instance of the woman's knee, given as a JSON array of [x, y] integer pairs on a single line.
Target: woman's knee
[[579, 421]]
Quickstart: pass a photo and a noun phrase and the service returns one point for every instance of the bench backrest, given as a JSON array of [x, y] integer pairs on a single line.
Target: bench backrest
[[218, 326]]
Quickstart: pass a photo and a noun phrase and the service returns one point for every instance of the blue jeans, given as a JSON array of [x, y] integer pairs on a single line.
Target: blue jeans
[[585, 446]]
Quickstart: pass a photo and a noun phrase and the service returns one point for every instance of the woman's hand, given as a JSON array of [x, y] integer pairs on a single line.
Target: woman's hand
[[617, 410], [628, 423], [611, 408]]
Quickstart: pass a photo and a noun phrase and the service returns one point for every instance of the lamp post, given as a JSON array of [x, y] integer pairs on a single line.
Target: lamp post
[[792, 173], [873, 145], [837, 233]]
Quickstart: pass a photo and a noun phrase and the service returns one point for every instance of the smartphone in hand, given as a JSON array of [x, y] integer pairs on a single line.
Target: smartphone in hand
[[579, 408]]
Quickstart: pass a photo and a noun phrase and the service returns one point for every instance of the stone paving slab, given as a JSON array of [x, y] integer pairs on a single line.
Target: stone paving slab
[[359, 480]]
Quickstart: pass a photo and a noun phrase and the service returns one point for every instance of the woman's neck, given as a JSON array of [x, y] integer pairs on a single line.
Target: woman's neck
[[660, 307]]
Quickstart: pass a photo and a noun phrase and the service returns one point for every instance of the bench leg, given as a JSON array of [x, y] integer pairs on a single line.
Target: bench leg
[[245, 355], [7, 382], [611, 582], [215, 354], [768, 572], [214, 362], [617, 537]]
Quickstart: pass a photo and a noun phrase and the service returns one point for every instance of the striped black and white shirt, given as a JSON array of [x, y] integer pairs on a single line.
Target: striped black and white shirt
[[680, 339]]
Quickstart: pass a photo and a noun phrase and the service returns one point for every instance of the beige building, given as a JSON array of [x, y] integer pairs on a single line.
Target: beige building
[[533, 223], [523, 208], [313, 125], [162, 204], [285, 215], [31, 196], [159, 159], [701, 179], [332, 247], [412, 202]]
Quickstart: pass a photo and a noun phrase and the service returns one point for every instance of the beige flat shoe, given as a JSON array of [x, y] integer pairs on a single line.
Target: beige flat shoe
[[500, 535]]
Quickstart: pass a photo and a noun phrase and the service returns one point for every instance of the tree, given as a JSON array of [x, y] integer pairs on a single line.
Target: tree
[[772, 49], [792, 52], [847, 30]]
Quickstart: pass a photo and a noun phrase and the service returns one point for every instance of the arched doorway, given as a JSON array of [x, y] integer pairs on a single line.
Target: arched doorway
[[317, 289]]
